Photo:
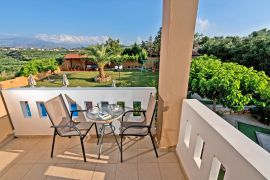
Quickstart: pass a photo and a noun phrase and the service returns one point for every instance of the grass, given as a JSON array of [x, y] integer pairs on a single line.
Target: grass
[[249, 130], [86, 79]]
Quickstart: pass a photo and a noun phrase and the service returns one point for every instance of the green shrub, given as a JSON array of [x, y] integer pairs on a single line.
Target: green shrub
[[37, 66]]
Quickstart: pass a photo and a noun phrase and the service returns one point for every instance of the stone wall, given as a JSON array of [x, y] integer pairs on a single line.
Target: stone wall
[[22, 81]]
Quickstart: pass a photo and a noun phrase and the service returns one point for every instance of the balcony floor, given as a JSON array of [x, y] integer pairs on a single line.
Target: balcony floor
[[29, 158]]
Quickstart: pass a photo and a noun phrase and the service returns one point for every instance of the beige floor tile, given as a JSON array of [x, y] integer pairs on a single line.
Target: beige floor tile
[[147, 156], [130, 156], [167, 157], [69, 157], [59, 171], [4, 169], [130, 143], [104, 172], [16, 172], [145, 143], [30, 158], [170, 171], [126, 171], [46, 158], [37, 172], [149, 171], [23, 143], [83, 171]]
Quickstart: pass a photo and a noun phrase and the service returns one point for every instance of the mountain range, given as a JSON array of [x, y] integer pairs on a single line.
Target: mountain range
[[37, 42]]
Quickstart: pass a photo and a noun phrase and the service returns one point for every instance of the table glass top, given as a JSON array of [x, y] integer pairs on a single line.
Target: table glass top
[[105, 113]]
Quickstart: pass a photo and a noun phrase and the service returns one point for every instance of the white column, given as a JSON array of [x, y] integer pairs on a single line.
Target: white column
[[178, 24]]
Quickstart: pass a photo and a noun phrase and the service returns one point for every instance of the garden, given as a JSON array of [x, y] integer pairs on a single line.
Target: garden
[[86, 79]]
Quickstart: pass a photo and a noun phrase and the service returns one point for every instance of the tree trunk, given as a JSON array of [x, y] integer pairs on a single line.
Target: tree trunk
[[101, 72], [214, 105]]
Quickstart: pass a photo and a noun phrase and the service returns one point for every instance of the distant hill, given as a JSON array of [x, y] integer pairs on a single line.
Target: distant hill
[[33, 42]]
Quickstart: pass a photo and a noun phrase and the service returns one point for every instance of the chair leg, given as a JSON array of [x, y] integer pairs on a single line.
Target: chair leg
[[53, 143], [152, 139], [121, 147], [81, 138], [96, 130]]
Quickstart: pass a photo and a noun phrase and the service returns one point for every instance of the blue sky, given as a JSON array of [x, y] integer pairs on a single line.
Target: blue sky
[[128, 20], [239, 17]]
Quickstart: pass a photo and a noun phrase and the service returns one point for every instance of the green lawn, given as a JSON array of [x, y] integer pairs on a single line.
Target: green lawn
[[86, 79], [249, 130]]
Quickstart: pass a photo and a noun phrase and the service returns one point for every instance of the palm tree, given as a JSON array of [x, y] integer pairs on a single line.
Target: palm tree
[[102, 55]]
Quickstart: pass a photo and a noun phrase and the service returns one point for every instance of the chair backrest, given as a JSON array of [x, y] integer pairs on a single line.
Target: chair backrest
[[57, 112], [81, 116], [150, 111]]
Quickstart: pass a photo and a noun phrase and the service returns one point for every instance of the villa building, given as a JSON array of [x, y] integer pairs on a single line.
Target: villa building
[[77, 62]]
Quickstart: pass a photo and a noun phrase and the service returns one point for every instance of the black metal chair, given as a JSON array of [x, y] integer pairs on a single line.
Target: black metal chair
[[63, 124], [139, 129]]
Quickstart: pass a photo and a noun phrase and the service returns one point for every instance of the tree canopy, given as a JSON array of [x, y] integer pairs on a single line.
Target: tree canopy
[[136, 51], [230, 84], [37, 66], [251, 51]]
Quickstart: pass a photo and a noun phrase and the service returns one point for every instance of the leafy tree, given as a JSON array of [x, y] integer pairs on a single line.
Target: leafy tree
[[251, 51], [153, 46], [212, 79], [114, 46], [157, 43], [37, 66], [136, 51], [102, 55]]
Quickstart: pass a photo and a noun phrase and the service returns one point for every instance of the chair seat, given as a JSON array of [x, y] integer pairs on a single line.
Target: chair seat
[[135, 131], [84, 125], [71, 132]]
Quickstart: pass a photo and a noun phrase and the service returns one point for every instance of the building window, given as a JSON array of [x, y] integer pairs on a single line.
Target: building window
[[73, 107], [187, 134], [41, 110], [26, 109], [217, 171], [199, 149], [137, 107]]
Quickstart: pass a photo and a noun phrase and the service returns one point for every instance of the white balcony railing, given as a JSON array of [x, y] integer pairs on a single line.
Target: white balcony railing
[[23, 104], [209, 147]]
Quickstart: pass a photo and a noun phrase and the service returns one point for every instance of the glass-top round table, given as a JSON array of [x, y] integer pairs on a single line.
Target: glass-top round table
[[105, 116]]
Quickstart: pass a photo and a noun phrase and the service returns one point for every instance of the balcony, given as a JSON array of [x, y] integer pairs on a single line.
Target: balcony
[[208, 147]]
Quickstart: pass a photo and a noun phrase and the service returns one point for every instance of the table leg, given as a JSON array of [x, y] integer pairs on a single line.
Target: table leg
[[100, 131], [101, 141], [111, 126]]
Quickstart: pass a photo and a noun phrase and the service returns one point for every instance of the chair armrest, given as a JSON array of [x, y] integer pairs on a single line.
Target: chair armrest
[[141, 111], [132, 111], [78, 110]]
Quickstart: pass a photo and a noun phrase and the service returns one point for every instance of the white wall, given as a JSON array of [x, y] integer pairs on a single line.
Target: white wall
[[241, 157], [41, 126]]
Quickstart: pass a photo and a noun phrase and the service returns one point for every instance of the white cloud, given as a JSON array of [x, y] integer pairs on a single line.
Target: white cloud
[[66, 38], [202, 24], [139, 40]]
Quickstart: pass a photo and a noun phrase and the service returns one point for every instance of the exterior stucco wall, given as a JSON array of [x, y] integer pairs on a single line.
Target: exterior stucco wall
[[5, 125]]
